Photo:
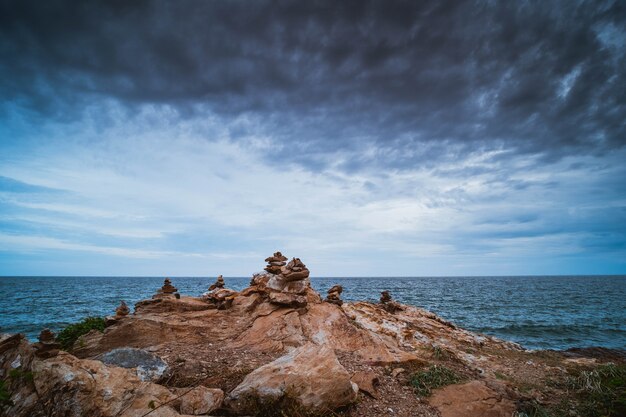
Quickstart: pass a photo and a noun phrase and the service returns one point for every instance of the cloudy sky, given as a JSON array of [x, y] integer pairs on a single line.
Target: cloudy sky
[[368, 138]]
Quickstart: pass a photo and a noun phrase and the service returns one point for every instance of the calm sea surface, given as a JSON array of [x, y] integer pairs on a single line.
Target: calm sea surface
[[537, 312]]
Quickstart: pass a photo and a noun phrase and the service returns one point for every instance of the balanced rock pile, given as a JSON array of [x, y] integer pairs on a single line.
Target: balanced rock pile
[[219, 283], [120, 312], [388, 304], [220, 297], [47, 347], [295, 270], [275, 263], [334, 294], [167, 290], [284, 284]]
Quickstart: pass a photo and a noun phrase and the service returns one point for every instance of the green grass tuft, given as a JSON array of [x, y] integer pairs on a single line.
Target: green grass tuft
[[21, 375], [436, 376], [71, 333], [598, 392]]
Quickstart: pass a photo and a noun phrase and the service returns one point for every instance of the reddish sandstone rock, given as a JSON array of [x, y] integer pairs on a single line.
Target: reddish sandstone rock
[[472, 399], [287, 299], [198, 400], [367, 382], [64, 385], [311, 376]]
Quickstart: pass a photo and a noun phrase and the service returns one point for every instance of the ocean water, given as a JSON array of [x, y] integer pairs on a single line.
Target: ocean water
[[553, 312]]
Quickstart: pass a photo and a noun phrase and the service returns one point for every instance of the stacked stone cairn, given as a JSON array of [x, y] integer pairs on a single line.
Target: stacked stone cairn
[[219, 283], [120, 312], [167, 290], [222, 298], [334, 294], [275, 263], [388, 304], [284, 284], [47, 347], [295, 270]]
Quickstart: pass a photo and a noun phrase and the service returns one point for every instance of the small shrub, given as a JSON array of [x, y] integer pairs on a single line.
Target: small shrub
[[286, 405], [71, 333], [434, 377], [598, 392], [5, 395], [19, 374]]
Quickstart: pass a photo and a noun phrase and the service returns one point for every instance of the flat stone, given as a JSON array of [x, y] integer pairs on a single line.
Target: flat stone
[[149, 367]]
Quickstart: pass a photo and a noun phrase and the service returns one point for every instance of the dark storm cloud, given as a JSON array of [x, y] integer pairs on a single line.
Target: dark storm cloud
[[418, 82]]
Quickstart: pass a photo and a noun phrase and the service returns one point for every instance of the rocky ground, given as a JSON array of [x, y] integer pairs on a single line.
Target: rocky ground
[[276, 348]]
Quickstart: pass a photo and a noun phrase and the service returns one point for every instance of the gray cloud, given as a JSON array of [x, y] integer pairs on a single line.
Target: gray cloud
[[415, 82]]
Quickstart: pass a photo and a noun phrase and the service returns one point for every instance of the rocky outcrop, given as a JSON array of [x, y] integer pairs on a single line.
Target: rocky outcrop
[[64, 385], [274, 345], [311, 377], [147, 366]]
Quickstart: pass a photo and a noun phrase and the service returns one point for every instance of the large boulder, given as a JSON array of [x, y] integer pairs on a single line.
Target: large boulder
[[148, 366], [67, 386], [309, 377]]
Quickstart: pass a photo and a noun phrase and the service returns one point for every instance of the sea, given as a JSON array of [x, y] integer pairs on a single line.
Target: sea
[[538, 312]]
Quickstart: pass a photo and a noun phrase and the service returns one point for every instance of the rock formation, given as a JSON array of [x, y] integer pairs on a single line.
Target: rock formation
[[334, 294], [167, 290], [275, 263], [278, 347], [219, 283], [388, 304], [47, 347], [310, 377]]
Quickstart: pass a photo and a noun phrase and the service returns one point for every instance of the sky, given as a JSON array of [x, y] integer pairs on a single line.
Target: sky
[[368, 138]]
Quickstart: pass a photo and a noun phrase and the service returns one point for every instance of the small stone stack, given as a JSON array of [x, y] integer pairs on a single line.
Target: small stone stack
[[167, 290], [388, 304], [47, 347], [122, 310], [219, 296], [295, 270], [334, 294], [284, 284], [275, 263], [219, 283]]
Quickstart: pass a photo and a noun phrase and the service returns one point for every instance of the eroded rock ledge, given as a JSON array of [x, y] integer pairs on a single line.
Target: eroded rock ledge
[[274, 344]]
